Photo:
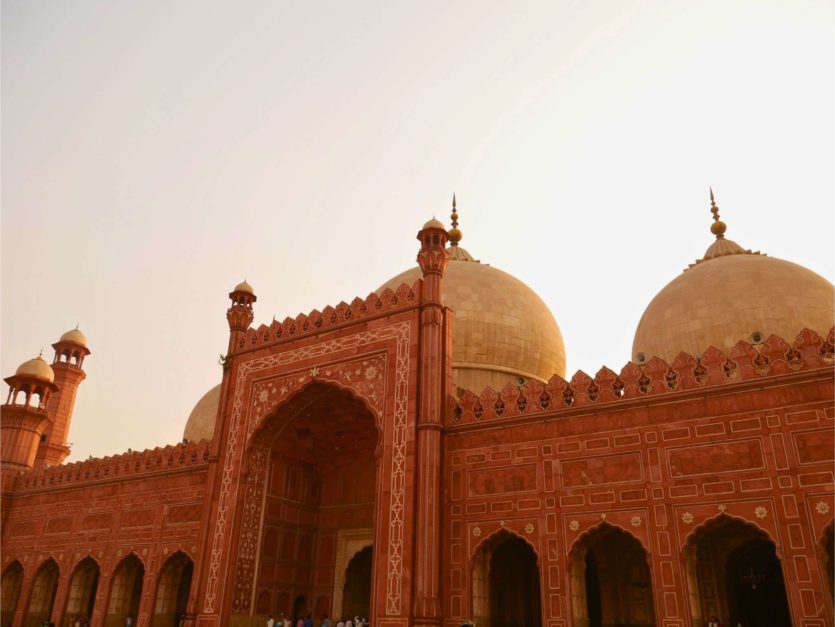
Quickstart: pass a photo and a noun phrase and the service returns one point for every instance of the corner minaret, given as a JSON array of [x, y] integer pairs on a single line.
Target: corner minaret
[[435, 342], [70, 351], [23, 417], [239, 315]]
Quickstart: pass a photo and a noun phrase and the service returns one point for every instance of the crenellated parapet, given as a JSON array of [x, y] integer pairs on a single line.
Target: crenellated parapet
[[126, 465], [316, 321], [713, 368]]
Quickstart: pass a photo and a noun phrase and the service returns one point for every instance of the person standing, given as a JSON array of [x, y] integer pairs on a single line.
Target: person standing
[[714, 622], [271, 621], [326, 622]]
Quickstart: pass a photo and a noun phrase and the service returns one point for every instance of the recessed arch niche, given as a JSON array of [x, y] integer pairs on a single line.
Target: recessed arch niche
[[506, 583], [313, 467], [610, 579], [733, 573]]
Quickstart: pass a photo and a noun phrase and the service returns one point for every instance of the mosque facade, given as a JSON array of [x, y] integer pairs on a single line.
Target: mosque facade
[[419, 457]]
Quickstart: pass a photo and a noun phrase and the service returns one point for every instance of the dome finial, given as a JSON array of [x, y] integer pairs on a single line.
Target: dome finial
[[718, 227], [455, 233]]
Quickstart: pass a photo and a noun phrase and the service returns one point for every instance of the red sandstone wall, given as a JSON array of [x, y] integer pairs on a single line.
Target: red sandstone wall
[[148, 503], [657, 466]]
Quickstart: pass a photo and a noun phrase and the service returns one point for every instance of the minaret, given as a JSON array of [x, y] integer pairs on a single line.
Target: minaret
[[239, 315], [23, 417], [434, 343], [70, 351]]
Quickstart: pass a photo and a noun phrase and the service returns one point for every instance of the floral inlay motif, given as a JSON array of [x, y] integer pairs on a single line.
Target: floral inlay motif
[[574, 525], [822, 507], [687, 518], [760, 512], [529, 528], [636, 521], [476, 531]]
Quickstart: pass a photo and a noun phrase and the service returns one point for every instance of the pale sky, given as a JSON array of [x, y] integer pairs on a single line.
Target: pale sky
[[156, 153]]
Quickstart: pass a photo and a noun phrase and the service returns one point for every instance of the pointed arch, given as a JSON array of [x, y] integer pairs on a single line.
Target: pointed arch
[[42, 596], [173, 590], [295, 455], [497, 534], [84, 583], [10, 585], [717, 519], [297, 401], [125, 590], [610, 578], [724, 558], [505, 581], [602, 525]]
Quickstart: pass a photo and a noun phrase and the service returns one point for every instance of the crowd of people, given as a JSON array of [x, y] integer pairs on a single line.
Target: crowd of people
[[324, 621]]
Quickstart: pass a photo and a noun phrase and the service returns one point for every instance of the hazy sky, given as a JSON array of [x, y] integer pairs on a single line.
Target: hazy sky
[[156, 153]]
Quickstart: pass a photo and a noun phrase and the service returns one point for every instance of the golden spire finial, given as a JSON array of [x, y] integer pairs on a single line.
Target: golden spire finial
[[454, 233], [718, 227]]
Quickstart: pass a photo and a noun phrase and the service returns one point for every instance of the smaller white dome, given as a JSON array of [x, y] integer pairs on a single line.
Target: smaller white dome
[[201, 421]]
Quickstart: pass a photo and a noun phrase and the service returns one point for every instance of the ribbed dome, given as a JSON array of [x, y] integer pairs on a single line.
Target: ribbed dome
[[501, 329], [74, 336], [201, 421], [36, 368], [730, 295]]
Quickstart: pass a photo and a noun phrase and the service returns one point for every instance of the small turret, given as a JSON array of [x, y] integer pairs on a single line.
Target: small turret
[[240, 315], [70, 351], [23, 417]]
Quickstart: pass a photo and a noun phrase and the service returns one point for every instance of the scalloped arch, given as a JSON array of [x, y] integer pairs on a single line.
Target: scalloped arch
[[482, 544], [268, 424], [598, 526], [704, 527]]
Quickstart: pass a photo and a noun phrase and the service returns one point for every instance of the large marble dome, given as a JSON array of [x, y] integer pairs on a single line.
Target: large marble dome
[[502, 332], [732, 294]]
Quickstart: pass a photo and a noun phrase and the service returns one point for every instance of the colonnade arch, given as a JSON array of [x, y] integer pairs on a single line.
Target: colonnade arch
[[733, 573], [42, 597], [10, 586], [173, 587], [84, 583], [125, 592], [506, 583], [610, 580]]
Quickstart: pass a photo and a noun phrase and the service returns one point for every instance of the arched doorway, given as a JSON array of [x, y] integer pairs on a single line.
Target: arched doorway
[[733, 573], [10, 587], [506, 590], [173, 590], [43, 594], [299, 608], [315, 460], [610, 580], [125, 592], [356, 594], [84, 583]]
